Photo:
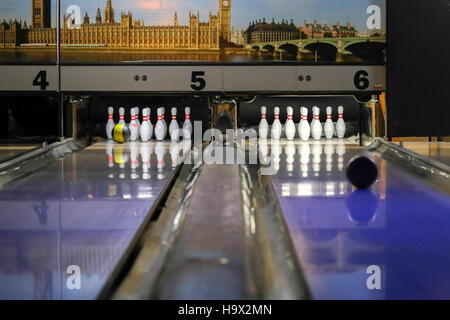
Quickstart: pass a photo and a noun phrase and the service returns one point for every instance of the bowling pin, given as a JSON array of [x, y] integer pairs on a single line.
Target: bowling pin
[[164, 121], [134, 133], [340, 124], [316, 127], [122, 115], [136, 112], [110, 124], [305, 130], [263, 124], [276, 125], [290, 125], [174, 128], [145, 127], [329, 126], [159, 127], [150, 124], [187, 125]]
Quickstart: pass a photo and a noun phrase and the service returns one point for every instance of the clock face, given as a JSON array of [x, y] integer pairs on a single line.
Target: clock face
[[225, 3]]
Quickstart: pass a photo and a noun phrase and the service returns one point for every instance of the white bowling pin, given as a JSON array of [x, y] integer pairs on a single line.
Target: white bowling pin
[[145, 128], [276, 125], [122, 115], [110, 124], [174, 128], [300, 123], [187, 125], [136, 112], [263, 124], [316, 127], [164, 121], [159, 127], [134, 133], [340, 124], [290, 125], [329, 125], [305, 130]]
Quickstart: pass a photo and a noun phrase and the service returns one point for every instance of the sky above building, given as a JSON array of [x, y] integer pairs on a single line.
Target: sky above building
[[161, 12]]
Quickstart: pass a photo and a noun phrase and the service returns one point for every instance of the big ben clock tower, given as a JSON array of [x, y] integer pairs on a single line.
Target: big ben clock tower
[[225, 19]]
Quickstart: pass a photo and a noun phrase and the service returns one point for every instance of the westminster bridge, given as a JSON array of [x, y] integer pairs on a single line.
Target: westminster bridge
[[367, 48]]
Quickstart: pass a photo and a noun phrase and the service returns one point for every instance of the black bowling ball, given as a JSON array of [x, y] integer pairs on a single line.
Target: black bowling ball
[[361, 172]]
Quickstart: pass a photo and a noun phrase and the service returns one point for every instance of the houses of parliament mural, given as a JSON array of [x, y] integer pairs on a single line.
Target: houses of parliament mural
[[126, 33]]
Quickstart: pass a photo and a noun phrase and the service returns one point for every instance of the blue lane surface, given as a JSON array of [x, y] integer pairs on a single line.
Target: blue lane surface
[[400, 226], [78, 214]]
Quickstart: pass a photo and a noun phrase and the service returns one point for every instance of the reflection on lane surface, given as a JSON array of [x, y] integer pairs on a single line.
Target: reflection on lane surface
[[79, 212], [400, 225]]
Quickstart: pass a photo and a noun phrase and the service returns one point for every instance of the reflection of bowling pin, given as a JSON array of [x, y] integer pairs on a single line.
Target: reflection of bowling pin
[[276, 125], [290, 154], [160, 164], [317, 154], [134, 154], [340, 124], [304, 158], [174, 153], [110, 124], [146, 151], [316, 127], [329, 126], [174, 131], [187, 125], [159, 127], [276, 152], [290, 125], [305, 130], [121, 115], [145, 127], [340, 150], [263, 125], [263, 152], [329, 151]]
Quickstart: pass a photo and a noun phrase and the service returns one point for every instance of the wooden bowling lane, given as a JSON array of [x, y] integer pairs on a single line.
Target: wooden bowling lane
[[83, 210], [399, 225]]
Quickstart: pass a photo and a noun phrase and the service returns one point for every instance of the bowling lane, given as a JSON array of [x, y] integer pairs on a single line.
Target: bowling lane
[[77, 216], [400, 225]]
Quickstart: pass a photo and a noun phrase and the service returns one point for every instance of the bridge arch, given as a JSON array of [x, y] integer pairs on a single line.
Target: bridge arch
[[325, 50], [289, 48], [269, 47], [367, 50]]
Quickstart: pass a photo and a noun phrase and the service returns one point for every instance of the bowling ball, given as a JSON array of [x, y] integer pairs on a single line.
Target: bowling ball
[[361, 172], [121, 133]]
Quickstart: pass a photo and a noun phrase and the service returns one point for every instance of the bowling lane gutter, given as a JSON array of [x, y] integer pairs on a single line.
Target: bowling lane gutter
[[435, 173], [135, 276], [273, 266], [35, 159]]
